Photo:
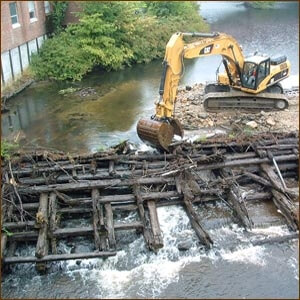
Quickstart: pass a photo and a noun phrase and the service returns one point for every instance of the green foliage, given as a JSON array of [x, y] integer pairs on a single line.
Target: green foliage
[[7, 149], [54, 21], [8, 233], [248, 131], [113, 35], [61, 58], [172, 8], [201, 139], [69, 90], [260, 4]]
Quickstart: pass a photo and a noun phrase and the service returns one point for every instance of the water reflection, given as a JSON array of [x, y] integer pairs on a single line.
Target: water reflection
[[71, 123]]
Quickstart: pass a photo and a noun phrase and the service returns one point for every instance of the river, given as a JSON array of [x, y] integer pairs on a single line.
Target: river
[[233, 268]]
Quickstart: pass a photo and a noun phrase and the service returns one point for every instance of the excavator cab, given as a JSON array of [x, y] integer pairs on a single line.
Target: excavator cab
[[255, 70]]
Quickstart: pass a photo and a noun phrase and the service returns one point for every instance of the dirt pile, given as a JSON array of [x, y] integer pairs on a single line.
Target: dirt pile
[[191, 113]]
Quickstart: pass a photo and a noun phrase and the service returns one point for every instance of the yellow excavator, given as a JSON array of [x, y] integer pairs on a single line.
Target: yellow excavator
[[250, 83]]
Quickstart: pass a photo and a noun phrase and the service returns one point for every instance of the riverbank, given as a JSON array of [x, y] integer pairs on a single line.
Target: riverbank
[[191, 113], [13, 88]]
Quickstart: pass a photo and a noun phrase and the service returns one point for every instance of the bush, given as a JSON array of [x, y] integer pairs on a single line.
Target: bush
[[113, 35], [7, 149], [61, 58], [259, 4]]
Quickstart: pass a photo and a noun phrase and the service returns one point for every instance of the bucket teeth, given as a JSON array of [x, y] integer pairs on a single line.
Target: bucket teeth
[[155, 133]]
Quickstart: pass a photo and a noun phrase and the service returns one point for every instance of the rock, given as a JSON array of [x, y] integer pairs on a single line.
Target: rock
[[252, 124], [263, 113], [251, 117], [210, 123], [184, 245], [203, 115], [270, 121], [188, 88]]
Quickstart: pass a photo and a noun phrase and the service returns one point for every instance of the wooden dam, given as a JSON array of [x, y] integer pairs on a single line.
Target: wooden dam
[[42, 189]]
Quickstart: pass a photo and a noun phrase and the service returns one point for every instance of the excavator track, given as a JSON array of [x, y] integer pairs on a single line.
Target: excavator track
[[220, 101]]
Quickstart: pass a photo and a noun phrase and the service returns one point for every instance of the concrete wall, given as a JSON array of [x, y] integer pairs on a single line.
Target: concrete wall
[[16, 60]]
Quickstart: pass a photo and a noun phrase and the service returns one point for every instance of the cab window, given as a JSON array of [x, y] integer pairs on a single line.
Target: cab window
[[249, 75], [263, 71]]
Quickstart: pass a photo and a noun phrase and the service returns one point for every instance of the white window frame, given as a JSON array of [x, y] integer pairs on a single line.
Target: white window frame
[[17, 24], [30, 10], [47, 7]]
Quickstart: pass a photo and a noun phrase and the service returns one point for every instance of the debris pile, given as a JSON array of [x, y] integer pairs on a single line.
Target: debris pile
[[191, 113]]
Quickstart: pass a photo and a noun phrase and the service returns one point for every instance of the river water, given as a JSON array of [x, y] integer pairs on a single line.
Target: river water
[[233, 268]]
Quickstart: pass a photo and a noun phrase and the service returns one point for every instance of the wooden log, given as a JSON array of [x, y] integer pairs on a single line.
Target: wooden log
[[109, 225], [111, 168], [245, 162], [277, 239], [280, 199], [3, 243], [144, 181], [178, 200], [57, 257], [11, 248], [196, 223], [275, 182], [287, 208], [157, 236], [42, 221], [188, 197], [74, 174], [19, 225], [53, 220], [123, 166], [238, 205], [68, 232], [34, 170], [96, 219], [103, 231], [146, 231]]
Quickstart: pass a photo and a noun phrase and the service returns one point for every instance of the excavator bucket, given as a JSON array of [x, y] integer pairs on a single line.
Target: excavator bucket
[[158, 134]]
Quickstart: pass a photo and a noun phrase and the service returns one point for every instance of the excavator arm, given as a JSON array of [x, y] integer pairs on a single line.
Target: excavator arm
[[177, 50]]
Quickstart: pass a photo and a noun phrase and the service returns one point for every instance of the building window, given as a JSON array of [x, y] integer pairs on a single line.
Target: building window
[[31, 9], [14, 14], [47, 7]]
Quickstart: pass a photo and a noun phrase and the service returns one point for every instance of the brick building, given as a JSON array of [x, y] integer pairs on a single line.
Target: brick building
[[22, 33]]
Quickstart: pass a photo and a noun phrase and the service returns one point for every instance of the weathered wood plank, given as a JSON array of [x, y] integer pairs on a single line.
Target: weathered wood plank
[[77, 231], [277, 239], [109, 225], [238, 205], [42, 245], [53, 220], [42, 222], [157, 236], [146, 231], [57, 257], [96, 219], [287, 207], [3, 243], [188, 197]]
